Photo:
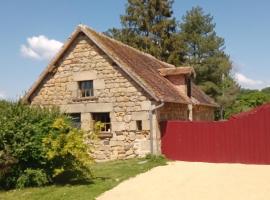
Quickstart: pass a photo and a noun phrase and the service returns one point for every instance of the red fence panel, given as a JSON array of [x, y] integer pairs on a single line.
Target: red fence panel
[[245, 138]]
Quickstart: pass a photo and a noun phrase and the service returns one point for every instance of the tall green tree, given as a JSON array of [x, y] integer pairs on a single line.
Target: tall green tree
[[205, 52], [149, 25]]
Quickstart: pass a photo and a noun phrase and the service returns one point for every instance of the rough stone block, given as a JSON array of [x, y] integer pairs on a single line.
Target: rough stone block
[[121, 137], [145, 105], [132, 136], [99, 84], [86, 119], [132, 126], [118, 126], [146, 125], [141, 115]]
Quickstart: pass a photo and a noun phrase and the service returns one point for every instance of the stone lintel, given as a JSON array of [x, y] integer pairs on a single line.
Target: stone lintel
[[84, 76], [87, 107]]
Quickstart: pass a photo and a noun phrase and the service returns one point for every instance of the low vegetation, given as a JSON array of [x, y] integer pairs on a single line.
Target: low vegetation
[[39, 147], [106, 176]]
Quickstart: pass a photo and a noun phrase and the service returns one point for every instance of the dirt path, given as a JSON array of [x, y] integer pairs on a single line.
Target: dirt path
[[196, 181]]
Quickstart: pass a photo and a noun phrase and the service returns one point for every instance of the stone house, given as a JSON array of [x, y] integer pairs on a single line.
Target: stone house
[[96, 78]]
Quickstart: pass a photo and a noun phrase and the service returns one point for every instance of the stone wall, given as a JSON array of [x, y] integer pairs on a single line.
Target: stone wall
[[114, 92], [203, 113]]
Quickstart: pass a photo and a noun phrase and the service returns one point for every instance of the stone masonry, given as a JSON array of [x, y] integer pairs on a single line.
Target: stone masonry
[[114, 92]]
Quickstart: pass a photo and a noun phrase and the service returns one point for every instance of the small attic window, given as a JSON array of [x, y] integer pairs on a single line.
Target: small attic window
[[86, 88]]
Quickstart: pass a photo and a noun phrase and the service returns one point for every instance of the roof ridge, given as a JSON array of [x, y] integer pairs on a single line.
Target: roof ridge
[[125, 45]]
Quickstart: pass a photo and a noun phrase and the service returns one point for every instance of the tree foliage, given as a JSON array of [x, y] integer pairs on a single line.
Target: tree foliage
[[37, 143], [248, 99], [205, 52], [150, 26]]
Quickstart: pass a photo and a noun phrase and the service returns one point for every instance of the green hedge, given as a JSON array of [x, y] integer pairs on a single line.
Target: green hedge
[[39, 146]]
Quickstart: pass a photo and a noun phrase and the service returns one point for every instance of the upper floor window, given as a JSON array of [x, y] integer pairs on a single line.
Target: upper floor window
[[86, 89]]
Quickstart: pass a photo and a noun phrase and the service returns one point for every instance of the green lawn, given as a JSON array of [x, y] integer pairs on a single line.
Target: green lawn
[[107, 175]]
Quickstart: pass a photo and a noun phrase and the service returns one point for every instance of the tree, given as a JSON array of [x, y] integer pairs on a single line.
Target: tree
[[229, 91], [148, 25], [246, 100], [266, 90], [205, 52]]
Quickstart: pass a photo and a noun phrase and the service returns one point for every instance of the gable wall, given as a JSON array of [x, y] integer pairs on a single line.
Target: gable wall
[[115, 92]]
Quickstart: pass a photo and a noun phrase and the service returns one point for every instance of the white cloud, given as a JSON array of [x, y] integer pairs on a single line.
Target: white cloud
[[248, 82], [40, 47], [2, 95]]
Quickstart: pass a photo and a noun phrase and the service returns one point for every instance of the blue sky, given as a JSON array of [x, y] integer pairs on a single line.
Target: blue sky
[[32, 31]]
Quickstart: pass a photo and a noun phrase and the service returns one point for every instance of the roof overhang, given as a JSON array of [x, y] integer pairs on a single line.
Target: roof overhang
[[177, 71]]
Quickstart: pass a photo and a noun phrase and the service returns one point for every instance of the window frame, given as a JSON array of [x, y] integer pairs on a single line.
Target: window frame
[[188, 85], [76, 123], [139, 126], [85, 92], [97, 117]]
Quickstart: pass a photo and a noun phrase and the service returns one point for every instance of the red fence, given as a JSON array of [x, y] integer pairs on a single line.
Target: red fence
[[245, 138]]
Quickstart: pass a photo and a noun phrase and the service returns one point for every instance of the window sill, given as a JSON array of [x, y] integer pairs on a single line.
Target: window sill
[[104, 135], [79, 99]]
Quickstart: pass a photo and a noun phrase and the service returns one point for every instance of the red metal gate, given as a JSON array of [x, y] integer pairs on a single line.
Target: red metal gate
[[245, 138]]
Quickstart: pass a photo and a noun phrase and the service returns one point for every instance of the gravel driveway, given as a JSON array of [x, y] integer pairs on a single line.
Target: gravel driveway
[[196, 181]]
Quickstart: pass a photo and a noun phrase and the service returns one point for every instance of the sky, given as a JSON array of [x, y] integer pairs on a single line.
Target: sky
[[33, 31]]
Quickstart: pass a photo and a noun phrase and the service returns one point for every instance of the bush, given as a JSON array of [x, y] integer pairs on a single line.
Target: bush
[[66, 152], [36, 143], [32, 177]]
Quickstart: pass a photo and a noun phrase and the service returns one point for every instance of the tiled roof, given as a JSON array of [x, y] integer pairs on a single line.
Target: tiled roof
[[141, 65]]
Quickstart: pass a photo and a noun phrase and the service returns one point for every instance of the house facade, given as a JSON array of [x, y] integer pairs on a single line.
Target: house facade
[[95, 78]]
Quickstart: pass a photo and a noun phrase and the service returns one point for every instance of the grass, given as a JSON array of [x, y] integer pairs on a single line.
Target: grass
[[107, 175]]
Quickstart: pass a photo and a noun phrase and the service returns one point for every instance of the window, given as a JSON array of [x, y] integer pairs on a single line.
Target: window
[[86, 89], [76, 119], [103, 118], [139, 125], [188, 83]]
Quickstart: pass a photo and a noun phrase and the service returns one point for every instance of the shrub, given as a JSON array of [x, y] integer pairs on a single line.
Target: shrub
[[32, 177], [36, 141], [66, 151]]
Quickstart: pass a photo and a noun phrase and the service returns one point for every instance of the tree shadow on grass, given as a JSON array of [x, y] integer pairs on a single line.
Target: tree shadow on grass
[[75, 178]]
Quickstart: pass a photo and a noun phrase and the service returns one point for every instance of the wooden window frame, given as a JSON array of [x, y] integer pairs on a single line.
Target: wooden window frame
[[88, 92]]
